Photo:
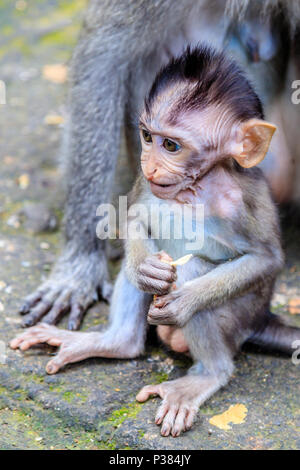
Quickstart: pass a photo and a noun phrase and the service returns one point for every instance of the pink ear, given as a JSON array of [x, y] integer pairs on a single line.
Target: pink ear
[[256, 138]]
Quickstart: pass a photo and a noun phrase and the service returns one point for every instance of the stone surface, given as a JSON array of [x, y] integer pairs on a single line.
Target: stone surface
[[92, 405]]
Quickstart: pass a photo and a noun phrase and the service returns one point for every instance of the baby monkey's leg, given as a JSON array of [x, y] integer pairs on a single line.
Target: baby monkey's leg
[[213, 366], [181, 400], [124, 338]]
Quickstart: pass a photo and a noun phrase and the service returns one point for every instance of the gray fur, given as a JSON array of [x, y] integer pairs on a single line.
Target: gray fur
[[237, 9]]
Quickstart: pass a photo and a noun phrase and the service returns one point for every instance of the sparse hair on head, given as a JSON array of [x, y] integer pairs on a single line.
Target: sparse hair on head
[[211, 78]]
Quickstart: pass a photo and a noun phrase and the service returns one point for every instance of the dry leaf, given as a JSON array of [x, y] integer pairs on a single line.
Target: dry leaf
[[294, 306], [117, 390], [23, 181], [235, 414], [56, 73], [1, 307], [2, 285], [53, 119]]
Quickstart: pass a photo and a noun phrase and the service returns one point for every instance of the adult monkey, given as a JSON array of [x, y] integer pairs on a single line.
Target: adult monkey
[[122, 46]]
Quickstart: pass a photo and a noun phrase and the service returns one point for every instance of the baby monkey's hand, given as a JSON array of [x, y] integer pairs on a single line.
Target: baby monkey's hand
[[170, 309], [156, 275]]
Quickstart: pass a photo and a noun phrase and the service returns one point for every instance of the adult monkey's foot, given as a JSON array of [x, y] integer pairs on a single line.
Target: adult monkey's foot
[[76, 282]]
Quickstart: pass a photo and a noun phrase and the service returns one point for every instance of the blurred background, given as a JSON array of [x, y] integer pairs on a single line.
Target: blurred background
[[36, 42]]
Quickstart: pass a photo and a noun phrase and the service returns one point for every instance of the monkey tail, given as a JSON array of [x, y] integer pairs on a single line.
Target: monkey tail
[[276, 335]]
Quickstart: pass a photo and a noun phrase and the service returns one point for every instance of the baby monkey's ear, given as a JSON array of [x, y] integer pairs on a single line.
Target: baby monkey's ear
[[254, 138]]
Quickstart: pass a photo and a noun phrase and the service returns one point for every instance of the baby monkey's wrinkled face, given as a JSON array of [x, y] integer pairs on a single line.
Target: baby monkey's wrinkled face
[[176, 156], [164, 159], [178, 152]]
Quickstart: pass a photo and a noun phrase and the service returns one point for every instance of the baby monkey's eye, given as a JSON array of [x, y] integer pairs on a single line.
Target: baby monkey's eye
[[170, 145], [146, 136]]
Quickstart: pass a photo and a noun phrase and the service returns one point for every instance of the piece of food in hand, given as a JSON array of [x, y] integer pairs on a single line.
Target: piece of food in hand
[[181, 261], [178, 262]]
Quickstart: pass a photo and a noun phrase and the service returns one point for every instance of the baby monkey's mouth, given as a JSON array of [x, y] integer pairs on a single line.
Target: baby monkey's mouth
[[163, 188], [163, 185], [164, 191]]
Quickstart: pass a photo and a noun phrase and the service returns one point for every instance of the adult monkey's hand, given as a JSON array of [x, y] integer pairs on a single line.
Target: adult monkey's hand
[[72, 287]]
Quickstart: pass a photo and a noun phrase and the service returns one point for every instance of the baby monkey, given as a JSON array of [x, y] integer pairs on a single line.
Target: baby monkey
[[202, 132]]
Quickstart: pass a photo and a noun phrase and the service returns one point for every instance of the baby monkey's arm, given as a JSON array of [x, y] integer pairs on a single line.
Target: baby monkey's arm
[[216, 287]]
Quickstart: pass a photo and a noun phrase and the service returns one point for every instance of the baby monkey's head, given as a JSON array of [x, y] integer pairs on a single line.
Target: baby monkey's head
[[201, 111]]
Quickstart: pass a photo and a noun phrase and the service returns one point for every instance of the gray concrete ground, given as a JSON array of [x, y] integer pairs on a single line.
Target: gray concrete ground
[[92, 405]]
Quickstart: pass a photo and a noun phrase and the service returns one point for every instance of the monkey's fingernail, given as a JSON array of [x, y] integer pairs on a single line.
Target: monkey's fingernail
[[27, 323], [165, 430]]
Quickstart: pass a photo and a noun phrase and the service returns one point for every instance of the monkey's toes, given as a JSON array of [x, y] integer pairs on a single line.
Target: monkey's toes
[[54, 365], [147, 391], [30, 301], [52, 302]]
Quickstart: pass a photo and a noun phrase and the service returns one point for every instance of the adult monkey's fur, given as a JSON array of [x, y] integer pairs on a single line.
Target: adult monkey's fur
[[237, 9], [121, 47]]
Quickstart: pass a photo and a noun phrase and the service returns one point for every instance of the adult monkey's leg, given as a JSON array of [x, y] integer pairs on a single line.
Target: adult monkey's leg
[[97, 98]]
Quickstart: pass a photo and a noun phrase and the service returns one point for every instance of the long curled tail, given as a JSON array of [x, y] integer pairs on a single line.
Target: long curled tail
[[276, 335]]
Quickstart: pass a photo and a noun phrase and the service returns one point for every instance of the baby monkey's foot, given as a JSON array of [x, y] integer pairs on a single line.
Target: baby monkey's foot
[[181, 400], [73, 346]]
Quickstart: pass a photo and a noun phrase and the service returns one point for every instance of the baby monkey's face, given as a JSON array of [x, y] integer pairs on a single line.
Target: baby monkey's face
[[177, 153], [163, 160], [175, 156]]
